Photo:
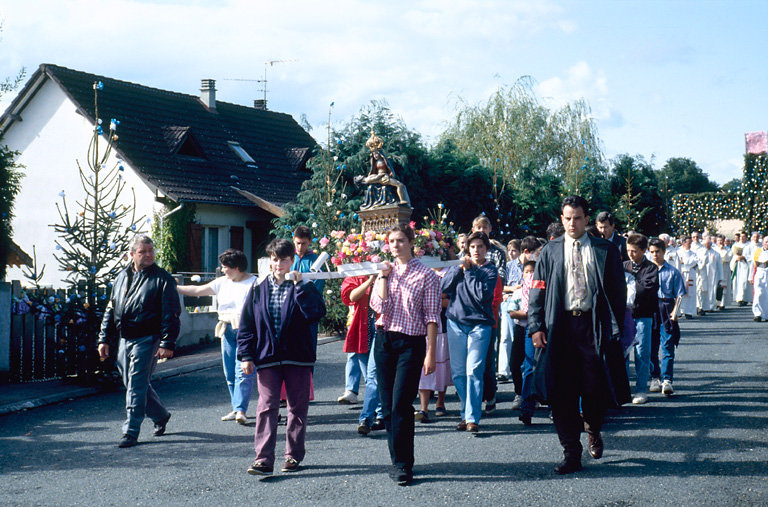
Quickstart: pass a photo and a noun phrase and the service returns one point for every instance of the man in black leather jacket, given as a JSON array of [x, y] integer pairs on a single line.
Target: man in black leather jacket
[[143, 316]]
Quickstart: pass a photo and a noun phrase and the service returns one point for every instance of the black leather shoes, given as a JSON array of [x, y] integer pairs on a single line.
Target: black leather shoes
[[127, 441], [402, 476], [568, 466], [160, 427], [595, 446], [526, 420]]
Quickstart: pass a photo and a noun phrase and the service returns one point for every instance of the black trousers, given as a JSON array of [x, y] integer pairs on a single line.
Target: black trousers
[[579, 376], [399, 360], [518, 355]]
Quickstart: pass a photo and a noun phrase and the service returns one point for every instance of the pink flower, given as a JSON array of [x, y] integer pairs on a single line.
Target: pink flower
[[370, 235], [438, 235], [431, 222], [352, 238], [336, 261], [385, 247], [375, 258], [420, 252], [324, 242], [412, 224]]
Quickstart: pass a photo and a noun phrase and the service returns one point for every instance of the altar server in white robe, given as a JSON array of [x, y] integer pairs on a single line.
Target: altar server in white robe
[[711, 273], [742, 290], [725, 258], [689, 265], [759, 279], [702, 278]]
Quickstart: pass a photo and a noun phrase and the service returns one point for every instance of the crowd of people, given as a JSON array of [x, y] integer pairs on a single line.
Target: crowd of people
[[559, 317]]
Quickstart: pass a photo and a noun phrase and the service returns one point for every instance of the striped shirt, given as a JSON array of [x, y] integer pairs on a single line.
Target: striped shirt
[[413, 299], [277, 295]]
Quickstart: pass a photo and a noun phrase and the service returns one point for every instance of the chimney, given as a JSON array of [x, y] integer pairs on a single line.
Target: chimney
[[208, 93], [260, 104]]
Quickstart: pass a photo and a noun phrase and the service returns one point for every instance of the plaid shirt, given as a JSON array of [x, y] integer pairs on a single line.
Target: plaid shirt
[[413, 299], [277, 295]]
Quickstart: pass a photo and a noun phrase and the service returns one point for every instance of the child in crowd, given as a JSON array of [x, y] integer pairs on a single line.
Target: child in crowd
[[672, 288], [518, 309], [276, 340]]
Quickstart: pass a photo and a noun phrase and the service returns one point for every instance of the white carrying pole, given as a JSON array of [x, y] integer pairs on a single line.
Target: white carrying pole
[[363, 269]]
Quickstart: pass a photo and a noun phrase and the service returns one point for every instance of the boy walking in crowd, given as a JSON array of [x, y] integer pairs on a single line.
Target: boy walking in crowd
[[672, 289], [276, 339]]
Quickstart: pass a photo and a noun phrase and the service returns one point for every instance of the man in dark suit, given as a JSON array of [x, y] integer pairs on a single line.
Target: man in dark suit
[[606, 225], [576, 307]]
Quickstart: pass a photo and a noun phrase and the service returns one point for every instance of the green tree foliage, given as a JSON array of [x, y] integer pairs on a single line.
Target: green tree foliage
[[684, 176], [731, 186], [635, 198], [10, 184], [533, 154], [171, 236]]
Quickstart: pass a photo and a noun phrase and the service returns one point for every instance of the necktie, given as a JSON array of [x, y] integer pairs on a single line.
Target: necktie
[[579, 280]]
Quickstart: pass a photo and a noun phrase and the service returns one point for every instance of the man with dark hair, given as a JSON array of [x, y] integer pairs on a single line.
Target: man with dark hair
[[606, 224], [143, 315], [645, 306], [577, 295], [555, 230]]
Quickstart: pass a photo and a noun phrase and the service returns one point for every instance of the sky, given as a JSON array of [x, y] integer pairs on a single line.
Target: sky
[[663, 78]]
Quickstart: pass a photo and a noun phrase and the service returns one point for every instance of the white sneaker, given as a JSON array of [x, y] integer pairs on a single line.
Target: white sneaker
[[666, 388], [517, 402], [655, 386], [639, 399], [348, 398]]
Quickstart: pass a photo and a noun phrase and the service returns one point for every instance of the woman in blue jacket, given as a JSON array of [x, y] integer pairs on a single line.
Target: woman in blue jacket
[[471, 287]]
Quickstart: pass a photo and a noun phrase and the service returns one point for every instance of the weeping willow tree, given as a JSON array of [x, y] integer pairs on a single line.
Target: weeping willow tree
[[535, 155]]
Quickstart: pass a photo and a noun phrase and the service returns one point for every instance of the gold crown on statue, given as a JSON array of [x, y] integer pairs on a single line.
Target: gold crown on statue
[[374, 143]]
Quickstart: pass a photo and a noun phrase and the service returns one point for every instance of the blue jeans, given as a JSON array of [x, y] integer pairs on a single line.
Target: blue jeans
[[357, 365], [667, 354], [239, 384], [371, 402], [528, 404], [468, 346], [643, 354]]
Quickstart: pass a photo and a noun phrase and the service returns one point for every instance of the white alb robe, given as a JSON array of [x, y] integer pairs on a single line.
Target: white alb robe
[[689, 264], [760, 282], [742, 290], [712, 275]]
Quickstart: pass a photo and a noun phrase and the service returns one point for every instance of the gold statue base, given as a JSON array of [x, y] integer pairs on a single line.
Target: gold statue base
[[383, 218]]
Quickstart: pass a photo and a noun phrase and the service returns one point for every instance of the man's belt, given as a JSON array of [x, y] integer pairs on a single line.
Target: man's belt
[[578, 313]]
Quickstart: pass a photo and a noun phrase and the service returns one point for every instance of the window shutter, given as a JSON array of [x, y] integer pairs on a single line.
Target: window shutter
[[195, 247]]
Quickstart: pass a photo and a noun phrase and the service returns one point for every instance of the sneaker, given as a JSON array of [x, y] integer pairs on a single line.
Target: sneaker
[[440, 412], [655, 386], [259, 468], [639, 399], [160, 427], [127, 441], [348, 398], [666, 387], [490, 405], [230, 416], [363, 428], [517, 402], [290, 465], [378, 425], [502, 379], [241, 419]]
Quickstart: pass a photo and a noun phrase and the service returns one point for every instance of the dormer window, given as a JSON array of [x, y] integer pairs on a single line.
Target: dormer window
[[240, 152]]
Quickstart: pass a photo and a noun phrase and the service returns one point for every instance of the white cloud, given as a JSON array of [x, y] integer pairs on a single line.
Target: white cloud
[[581, 81]]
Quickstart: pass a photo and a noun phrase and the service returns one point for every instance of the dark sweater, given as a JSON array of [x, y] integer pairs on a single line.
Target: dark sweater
[[647, 287], [471, 294], [295, 343]]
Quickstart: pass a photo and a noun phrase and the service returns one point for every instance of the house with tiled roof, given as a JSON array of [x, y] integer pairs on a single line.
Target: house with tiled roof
[[237, 164]]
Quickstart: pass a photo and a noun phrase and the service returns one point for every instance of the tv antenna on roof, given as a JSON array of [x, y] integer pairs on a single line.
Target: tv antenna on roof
[[263, 81]]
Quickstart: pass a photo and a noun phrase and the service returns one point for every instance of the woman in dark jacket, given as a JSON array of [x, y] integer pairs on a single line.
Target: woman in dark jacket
[[474, 290]]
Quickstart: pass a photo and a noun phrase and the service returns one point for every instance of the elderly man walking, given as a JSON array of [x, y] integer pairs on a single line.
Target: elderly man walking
[[143, 317]]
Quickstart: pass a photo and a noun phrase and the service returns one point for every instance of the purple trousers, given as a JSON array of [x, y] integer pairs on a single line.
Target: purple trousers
[[269, 382]]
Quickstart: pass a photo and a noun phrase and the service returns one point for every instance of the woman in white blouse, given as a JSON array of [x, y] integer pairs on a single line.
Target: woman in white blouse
[[230, 291]]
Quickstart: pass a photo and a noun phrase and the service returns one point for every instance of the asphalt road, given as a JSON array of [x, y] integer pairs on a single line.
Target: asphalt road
[[706, 445]]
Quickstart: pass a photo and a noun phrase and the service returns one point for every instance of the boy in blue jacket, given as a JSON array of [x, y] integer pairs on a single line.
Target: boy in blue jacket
[[276, 340]]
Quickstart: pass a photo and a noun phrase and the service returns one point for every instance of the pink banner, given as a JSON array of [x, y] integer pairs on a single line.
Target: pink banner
[[757, 142]]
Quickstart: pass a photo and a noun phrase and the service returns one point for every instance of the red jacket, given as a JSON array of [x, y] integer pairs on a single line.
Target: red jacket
[[357, 334]]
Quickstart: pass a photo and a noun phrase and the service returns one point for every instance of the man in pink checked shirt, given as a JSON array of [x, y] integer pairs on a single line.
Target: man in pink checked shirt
[[407, 298]]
